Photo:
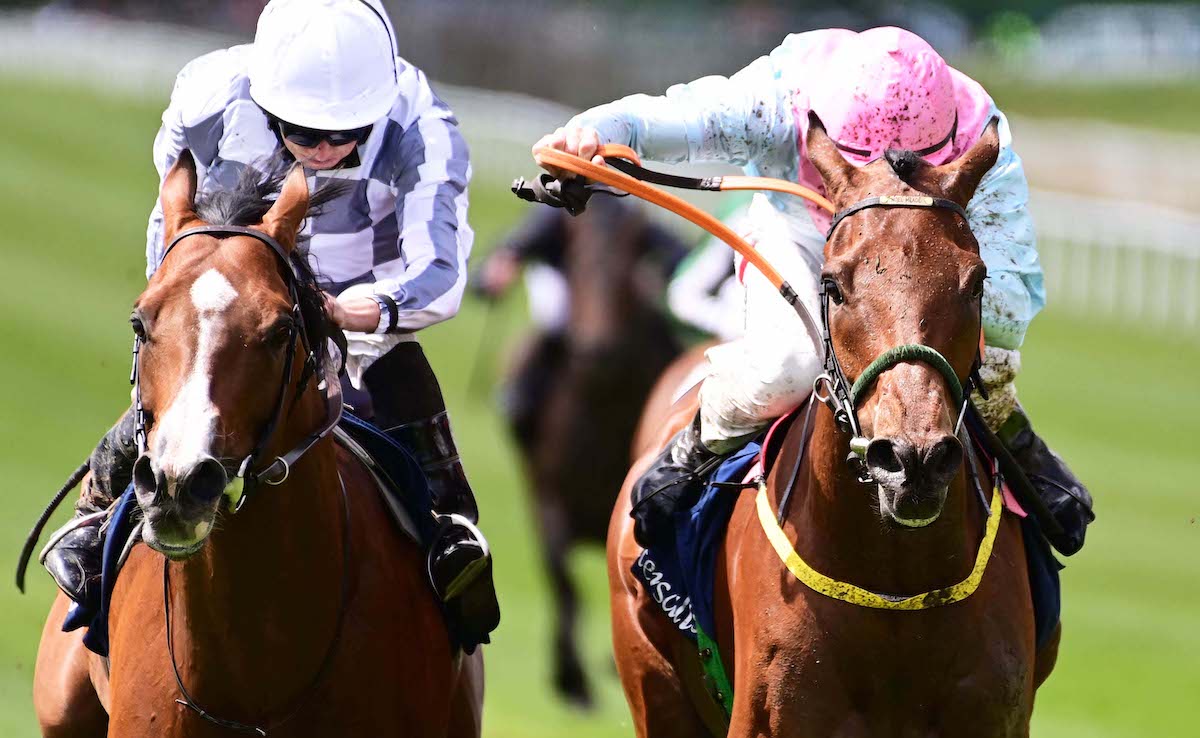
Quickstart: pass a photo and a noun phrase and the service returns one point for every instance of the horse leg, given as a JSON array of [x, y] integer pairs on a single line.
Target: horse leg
[[64, 698], [1047, 657], [569, 677]]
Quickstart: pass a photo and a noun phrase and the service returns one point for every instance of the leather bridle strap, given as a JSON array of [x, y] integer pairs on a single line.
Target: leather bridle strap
[[247, 479], [895, 201]]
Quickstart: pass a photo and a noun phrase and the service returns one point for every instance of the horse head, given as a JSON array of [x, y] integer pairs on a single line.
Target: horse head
[[217, 326], [899, 276]]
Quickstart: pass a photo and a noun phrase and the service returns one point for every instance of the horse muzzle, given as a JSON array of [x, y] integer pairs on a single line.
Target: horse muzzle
[[913, 479], [179, 504]]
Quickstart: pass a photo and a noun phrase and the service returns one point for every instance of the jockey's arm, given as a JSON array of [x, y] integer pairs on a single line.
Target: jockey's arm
[[735, 120], [541, 237], [428, 275], [999, 216], [168, 143]]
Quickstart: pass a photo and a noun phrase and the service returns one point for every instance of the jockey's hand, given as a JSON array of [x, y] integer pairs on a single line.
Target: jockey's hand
[[499, 272], [353, 313], [582, 142]]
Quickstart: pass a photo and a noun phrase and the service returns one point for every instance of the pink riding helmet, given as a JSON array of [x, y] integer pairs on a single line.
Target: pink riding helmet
[[886, 88]]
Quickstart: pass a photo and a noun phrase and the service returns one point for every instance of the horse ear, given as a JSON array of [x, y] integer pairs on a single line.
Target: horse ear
[[961, 177], [284, 218], [178, 195], [824, 155]]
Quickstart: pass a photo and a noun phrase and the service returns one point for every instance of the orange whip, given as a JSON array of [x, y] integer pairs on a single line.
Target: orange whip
[[625, 163]]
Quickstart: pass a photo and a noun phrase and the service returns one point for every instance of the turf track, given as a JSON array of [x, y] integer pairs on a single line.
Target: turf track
[[75, 187]]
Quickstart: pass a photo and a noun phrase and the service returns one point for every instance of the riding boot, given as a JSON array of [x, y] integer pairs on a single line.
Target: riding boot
[[673, 482], [1065, 496], [408, 403], [73, 554], [460, 562]]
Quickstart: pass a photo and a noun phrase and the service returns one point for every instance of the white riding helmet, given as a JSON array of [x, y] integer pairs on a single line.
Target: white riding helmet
[[324, 64]]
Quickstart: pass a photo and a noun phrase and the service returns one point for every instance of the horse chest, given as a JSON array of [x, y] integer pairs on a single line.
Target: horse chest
[[825, 668]]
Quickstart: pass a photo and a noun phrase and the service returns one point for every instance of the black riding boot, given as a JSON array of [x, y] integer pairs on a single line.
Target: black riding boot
[[1065, 496], [408, 405], [674, 481], [72, 555]]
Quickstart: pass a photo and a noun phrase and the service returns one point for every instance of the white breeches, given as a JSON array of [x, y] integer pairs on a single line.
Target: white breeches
[[771, 368], [549, 297]]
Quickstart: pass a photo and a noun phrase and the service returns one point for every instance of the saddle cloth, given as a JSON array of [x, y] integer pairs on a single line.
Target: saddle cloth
[[678, 576], [399, 479]]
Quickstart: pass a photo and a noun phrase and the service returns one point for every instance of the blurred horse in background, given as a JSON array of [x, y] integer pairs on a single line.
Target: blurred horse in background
[[574, 390]]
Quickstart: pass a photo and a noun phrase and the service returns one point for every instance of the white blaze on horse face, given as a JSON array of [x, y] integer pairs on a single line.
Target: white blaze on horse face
[[185, 433]]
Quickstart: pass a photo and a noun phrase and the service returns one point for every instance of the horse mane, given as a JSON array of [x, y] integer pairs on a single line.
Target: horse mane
[[904, 162], [248, 200]]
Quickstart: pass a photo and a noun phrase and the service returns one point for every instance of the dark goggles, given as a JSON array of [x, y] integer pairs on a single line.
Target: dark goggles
[[312, 137]]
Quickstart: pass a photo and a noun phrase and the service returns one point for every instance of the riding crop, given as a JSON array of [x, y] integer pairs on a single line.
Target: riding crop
[[628, 175]]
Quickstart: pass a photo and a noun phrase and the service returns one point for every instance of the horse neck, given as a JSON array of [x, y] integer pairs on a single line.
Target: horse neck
[[840, 531], [268, 582]]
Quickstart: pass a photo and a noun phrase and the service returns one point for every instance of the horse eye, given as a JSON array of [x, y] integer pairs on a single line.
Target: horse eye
[[834, 293], [278, 335], [977, 287], [139, 328]]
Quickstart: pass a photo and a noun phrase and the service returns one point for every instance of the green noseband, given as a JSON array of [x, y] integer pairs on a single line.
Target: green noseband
[[909, 352]]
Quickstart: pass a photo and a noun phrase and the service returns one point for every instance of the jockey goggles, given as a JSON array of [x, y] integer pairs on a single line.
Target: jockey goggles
[[312, 137]]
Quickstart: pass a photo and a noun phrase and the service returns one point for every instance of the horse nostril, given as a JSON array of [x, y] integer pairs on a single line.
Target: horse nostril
[[889, 456], [146, 480], [206, 481], [944, 458]]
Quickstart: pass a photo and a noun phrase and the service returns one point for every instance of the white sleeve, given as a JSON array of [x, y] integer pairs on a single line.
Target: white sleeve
[[999, 217], [734, 119], [168, 144]]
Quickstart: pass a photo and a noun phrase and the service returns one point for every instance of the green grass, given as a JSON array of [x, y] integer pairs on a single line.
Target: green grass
[[75, 189]]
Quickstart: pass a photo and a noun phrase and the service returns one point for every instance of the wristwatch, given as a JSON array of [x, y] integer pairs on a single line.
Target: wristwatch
[[387, 306]]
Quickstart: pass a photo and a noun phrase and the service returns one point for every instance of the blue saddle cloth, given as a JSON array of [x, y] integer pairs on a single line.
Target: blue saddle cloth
[[679, 577], [394, 463]]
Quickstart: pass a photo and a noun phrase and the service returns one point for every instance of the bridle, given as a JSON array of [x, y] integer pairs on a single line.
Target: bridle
[[248, 477], [274, 473], [842, 396]]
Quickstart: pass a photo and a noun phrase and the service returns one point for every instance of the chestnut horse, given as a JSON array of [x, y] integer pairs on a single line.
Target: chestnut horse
[[305, 614], [802, 663]]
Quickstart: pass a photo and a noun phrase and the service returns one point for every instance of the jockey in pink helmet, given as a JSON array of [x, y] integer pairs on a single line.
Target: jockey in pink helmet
[[884, 88]]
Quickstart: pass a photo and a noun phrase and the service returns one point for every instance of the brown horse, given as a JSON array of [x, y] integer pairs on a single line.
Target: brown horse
[[307, 613], [802, 663], [590, 383]]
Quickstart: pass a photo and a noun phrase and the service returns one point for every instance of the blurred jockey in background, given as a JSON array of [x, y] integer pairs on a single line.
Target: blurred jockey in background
[[538, 250], [884, 88]]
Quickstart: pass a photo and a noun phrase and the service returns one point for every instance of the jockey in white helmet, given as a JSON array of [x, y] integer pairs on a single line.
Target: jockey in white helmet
[[322, 84], [884, 88]]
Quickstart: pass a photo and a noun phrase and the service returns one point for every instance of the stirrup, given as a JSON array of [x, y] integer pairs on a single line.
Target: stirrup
[[72, 525], [472, 571]]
